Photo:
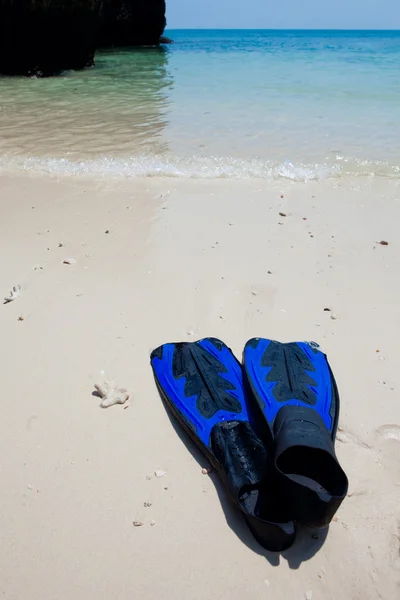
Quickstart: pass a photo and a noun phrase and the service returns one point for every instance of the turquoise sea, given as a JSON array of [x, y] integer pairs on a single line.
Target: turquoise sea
[[294, 104]]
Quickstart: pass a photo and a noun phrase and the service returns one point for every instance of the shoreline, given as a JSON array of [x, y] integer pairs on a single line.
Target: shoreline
[[184, 259]]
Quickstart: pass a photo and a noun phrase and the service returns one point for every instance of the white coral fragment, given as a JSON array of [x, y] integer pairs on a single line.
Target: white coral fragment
[[13, 295], [110, 393]]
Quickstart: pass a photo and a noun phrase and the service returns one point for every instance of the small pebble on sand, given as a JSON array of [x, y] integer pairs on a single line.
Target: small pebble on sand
[[334, 317], [152, 523], [138, 523], [308, 595], [206, 470], [384, 243], [21, 318], [147, 504], [282, 214], [148, 477], [69, 261], [107, 231]]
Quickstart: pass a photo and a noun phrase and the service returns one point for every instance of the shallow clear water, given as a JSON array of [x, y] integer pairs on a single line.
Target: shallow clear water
[[298, 104]]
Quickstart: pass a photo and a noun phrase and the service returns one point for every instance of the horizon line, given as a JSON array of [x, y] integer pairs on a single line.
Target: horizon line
[[276, 29]]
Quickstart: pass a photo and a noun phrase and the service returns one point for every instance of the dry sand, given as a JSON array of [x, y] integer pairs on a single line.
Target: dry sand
[[184, 260]]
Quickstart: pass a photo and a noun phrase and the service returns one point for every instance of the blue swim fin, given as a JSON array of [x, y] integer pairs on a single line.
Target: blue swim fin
[[201, 384], [294, 389]]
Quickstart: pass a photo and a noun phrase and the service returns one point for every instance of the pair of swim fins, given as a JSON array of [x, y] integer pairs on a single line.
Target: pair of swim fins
[[268, 427]]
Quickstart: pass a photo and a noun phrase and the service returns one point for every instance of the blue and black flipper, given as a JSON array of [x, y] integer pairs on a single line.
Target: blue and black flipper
[[295, 390], [202, 385]]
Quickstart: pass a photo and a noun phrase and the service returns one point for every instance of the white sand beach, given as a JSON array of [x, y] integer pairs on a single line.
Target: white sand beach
[[182, 260]]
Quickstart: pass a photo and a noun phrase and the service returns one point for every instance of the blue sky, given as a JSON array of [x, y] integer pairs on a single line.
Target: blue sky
[[286, 14]]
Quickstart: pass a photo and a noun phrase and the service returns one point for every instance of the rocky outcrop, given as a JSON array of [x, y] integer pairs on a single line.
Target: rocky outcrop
[[44, 37], [132, 22]]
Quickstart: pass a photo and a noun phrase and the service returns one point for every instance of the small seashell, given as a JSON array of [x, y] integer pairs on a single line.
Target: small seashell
[[138, 523], [69, 261], [160, 473]]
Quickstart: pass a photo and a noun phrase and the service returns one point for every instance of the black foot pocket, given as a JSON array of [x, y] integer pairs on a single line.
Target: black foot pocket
[[246, 471], [312, 479]]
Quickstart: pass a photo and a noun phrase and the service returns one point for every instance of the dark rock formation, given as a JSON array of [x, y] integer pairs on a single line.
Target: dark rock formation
[[132, 22], [44, 37]]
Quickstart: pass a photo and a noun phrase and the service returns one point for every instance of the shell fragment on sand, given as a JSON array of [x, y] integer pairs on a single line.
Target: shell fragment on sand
[[160, 473], [13, 295], [138, 523]]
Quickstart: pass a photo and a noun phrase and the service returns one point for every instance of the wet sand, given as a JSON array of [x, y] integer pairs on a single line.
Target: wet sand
[[162, 260]]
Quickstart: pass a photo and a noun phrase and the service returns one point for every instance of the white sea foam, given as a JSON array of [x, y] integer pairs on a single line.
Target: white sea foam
[[200, 167]]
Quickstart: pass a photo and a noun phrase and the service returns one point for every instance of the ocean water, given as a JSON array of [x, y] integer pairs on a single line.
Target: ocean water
[[238, 104]]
